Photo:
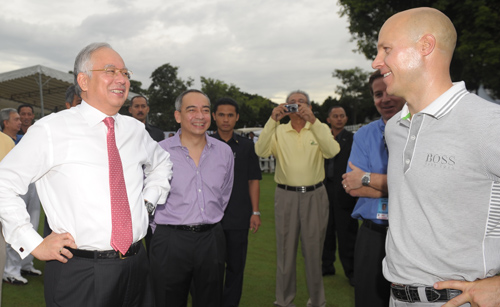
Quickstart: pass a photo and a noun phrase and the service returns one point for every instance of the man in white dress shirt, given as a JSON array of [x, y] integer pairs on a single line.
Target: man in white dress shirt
[[66, 155]]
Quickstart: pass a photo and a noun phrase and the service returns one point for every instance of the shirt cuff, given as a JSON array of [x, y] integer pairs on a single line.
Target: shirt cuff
[[152, 195], [27, 243]]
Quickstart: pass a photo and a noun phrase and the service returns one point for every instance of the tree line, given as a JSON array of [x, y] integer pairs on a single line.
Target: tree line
[[166, 85], [255, 110]]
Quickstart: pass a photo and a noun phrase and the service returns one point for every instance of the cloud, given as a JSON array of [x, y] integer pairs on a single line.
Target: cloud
[[263, 47]]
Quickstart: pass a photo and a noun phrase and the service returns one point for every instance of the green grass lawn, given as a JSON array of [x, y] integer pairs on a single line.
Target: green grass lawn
[[259, 285]]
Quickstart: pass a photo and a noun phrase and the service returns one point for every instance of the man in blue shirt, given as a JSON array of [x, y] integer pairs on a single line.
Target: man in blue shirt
[[366, 178]]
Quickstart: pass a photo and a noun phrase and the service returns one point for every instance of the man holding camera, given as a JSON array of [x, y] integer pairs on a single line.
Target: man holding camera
[[301, 201]]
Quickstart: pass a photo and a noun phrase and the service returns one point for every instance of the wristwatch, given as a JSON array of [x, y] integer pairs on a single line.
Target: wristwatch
[[365, 180], [256, 213], [149, 207]]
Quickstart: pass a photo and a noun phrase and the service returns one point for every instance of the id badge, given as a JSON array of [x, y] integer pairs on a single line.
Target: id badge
[[383, 209]]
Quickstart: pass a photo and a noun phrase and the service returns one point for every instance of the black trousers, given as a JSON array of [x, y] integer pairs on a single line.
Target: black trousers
[[341, 227], [371, 288], [147, 239], [180, 259], [101, 282], [236, 256]]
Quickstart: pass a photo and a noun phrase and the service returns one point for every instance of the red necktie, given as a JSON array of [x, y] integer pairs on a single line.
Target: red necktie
[[121, 233]]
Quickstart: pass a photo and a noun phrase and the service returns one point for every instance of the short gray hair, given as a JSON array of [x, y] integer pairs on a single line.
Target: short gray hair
[[83, 62], [178, 100], [299, 92], [5, 115]]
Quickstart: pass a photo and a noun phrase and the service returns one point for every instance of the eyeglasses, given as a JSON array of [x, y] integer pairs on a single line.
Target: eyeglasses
[[113, 71]]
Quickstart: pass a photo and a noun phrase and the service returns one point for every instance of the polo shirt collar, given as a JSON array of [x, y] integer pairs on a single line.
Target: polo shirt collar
[[233, 137], [443, 104], [341, 133], [288, 126]]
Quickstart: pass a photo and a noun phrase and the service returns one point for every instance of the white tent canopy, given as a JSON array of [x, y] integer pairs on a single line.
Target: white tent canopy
[[38, 85], [29, 71]]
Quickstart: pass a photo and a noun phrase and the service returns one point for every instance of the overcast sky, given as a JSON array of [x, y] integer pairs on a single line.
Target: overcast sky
[[263, 47]]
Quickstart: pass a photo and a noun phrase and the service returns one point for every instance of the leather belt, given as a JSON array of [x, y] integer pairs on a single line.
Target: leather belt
[[301, 189], [411, 294], [193, 228], [375, 227], [133, 250]]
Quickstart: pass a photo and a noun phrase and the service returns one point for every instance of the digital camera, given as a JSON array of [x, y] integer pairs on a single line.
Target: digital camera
[[292, 108]]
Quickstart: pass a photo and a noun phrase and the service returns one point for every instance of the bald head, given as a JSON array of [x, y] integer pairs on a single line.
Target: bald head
[[422, 21], [414, 54]]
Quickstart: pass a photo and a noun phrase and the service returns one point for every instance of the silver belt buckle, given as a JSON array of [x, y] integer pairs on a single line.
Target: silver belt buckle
[[302, 189]]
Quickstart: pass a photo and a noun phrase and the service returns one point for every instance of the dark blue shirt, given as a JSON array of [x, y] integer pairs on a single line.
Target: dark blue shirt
[[18, 138]]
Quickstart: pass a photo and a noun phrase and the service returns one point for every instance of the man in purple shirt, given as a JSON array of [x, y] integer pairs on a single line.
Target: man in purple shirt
[[188, 245]]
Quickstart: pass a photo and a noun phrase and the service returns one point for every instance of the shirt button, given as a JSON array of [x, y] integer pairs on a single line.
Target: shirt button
[[413, 138], [199, 190], [407, 161], [202, 209]]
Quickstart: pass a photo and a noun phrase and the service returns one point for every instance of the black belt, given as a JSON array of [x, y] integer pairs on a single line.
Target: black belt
[[301, 189], [132, 250], [193, 228], [374, 226], [410, 294]]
